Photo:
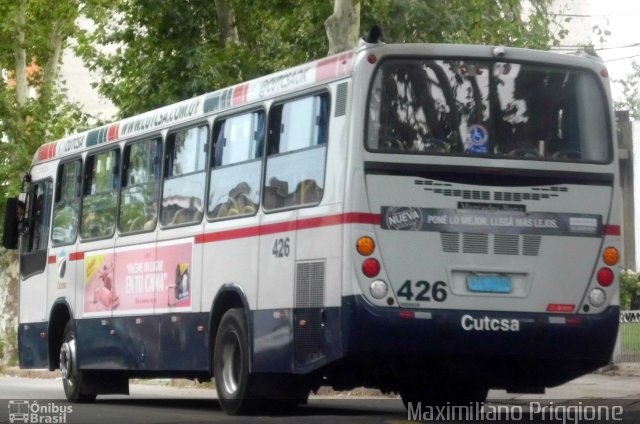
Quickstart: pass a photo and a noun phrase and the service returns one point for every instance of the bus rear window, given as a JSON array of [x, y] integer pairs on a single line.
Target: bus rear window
[[490, 109]]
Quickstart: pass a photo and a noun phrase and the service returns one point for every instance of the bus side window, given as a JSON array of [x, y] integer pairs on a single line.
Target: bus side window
[[236, 166], [296, 152], [39, 216], [140, 186], [100, 193], [184, 177], [66, 208]]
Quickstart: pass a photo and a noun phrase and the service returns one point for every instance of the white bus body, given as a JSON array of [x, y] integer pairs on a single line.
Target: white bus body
[[374, 218]]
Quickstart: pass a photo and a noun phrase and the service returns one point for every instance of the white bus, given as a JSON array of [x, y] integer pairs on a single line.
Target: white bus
[[431, 220]]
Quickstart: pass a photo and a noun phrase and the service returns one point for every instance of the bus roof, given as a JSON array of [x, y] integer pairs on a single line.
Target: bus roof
[[288, 80], [281, 82]]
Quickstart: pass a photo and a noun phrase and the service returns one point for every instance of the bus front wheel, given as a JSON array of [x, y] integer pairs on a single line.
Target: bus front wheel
[[74, 380], [231, 365]]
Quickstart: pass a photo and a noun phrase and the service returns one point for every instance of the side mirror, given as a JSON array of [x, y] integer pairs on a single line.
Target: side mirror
[[12, 218]]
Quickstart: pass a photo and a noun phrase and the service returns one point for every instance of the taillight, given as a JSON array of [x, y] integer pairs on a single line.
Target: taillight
[[371, 267], [605, 277], [610, 256], [365, 246]]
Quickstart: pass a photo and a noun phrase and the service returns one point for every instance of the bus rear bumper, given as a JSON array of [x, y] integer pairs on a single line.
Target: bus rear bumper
[[505, 349]]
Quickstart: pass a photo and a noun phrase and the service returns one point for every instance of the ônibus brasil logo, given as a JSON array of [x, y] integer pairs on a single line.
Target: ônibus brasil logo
[[32, 412]]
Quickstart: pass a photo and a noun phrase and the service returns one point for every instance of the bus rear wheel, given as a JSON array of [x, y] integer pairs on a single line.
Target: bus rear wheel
[[74, 380], [234, 383]]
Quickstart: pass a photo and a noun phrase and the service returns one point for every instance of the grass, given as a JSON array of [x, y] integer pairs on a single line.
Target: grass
[[630, 337]]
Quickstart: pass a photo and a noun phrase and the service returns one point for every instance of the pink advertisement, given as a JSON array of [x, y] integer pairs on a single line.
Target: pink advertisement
[[134, 280]]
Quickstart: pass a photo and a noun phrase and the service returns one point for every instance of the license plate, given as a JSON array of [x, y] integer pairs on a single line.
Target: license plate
[[489, 283]]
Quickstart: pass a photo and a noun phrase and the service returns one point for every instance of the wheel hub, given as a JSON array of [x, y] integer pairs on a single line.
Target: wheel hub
[[67, 358], [231, 365]]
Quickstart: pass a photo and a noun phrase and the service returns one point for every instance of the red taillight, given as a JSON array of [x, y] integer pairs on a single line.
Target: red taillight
[[372, 59], [371, 267], [605, 277]]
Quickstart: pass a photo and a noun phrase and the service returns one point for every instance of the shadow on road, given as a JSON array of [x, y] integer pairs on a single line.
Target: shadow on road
[[315, 407]]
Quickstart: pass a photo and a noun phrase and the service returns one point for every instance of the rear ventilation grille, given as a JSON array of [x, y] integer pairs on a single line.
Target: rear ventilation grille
[[475, 243], [450, 242], [308, 329], [310, 284], [506, 244], [447, 190], [531, 245], [341, 99], [499, 244]]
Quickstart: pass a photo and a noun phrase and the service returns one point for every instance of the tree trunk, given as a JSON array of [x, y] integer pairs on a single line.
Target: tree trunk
[[50, 71], [343, 26], [227, 22], [21, 55]]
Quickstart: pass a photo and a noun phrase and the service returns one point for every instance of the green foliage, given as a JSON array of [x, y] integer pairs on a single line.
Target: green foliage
[[163, 52], [629, 290], [497, 22], [630, 92], [47, 116]]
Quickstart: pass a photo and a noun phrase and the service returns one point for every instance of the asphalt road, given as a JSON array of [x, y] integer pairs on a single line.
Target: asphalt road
[[43, 400], [149, 403]]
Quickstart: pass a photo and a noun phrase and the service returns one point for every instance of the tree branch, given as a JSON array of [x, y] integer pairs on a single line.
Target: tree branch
[[21, 54]]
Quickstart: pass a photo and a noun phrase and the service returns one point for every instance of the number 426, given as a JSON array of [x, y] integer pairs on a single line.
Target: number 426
[[424, 291]]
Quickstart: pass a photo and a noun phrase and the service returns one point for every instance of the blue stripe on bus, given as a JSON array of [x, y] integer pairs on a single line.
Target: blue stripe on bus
[[305, 340], [169, 342]]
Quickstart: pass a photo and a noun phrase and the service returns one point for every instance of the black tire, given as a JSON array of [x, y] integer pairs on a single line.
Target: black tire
[[234, 383], [75, 382], [463, 394]]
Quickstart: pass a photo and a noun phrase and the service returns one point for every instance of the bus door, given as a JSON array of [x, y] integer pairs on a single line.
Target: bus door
[[178, 258], [99, 336], [291, 275], [137, 273], [33, 261], [65, 262]]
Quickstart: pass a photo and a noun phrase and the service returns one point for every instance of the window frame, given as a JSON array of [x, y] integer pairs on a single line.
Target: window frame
[[211, 160], [34, 261], [122, 186], [513, 160], [324, 92], [57, 192], [117, 148], [165, 151]]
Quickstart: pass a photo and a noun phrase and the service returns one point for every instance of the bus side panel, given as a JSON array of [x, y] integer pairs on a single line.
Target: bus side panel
[[33, 321], [33, 351], [182, 345]]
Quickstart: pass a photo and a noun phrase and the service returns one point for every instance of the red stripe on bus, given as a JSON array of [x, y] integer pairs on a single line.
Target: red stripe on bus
[[611, 230], [52, 259], [76, 256], [281, 227], [332, 67]]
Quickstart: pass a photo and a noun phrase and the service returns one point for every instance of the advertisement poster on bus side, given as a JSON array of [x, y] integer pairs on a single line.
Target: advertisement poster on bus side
[[138, 280]]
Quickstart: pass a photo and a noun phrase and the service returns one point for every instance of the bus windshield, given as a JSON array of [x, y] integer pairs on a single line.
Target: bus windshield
[[488, 109]]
